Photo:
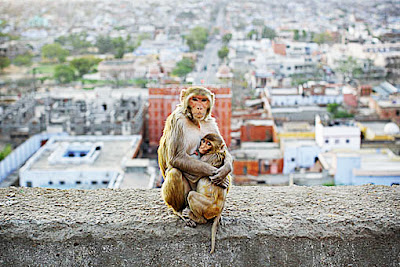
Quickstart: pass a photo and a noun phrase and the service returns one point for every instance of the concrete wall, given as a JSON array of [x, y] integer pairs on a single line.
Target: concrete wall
[[263, 226]]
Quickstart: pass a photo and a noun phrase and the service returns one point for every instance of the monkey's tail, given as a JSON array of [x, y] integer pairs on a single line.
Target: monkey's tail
[[214, 232]]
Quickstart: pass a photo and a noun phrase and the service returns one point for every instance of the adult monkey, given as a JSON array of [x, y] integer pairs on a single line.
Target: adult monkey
[[183, 130]]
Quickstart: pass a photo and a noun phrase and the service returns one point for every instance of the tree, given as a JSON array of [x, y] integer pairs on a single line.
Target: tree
[[183, 67], [322, 38], [64, 74], [227, 38], [223, 52], [251, 34], [119, 47], [349, 68], [84, 64], [106, 44], [337, 112], [76, 40], [268, 33], [5, 152], [197, 39], [4, 62], [296, 35], [54, 52], [23, 60]]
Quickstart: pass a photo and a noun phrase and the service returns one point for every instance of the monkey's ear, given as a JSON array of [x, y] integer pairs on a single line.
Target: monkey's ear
[[182, 97], [212, 99]]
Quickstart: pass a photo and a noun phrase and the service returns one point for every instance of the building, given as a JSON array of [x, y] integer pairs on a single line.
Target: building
[[258, 130], [379, 131], [84, 162], [365, 166], [117, 69], [337, 134], [162, 101], [298, 154], [255, 161], [304, 97], [296, 130]]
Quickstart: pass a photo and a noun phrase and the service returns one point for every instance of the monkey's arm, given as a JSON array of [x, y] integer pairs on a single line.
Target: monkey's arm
[[221, 177], [181, 160]]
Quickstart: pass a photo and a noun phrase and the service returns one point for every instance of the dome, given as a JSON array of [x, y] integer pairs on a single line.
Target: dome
[[391, 128], [224, 70]]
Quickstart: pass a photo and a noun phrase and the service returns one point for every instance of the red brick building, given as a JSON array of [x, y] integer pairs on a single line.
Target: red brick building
[[258, 130], [162, 101], [387, 108], [279, 49]]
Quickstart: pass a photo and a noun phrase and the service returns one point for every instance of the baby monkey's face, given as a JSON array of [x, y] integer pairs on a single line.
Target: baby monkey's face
[[205, 146]]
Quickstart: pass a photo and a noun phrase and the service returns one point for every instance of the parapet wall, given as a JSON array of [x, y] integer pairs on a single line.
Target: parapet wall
[[262, 226]]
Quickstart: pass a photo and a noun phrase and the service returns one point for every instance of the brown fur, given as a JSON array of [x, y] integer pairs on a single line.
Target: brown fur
[[208, 201], [181, 136]]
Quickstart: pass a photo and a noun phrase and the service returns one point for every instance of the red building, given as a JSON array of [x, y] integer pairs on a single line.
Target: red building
[[279, 49], [258, 130], [162, 101]]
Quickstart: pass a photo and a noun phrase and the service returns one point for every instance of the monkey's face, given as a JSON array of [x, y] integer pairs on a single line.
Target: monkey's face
[[205, 146], [199, 105]]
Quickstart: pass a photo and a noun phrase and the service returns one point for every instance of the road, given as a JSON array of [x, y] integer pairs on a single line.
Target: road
[[208, 64]]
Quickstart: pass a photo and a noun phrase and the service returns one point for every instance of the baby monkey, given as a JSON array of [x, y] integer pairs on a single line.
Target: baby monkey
[[208, 201]]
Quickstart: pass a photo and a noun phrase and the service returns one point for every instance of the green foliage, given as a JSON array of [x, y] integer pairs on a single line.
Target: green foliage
[[54, 52], [64, 74], [197, 39], [337, 112], [183, 67], [296, 35], [76, 40], [252, 34], [268, 33], [304, 34], [23, 60], [333, 108], [322, 38], [4, 62], [141, 82], [227, 38], [106, 44], [349, 68], [223, 52], [5, 152], [84, 65]]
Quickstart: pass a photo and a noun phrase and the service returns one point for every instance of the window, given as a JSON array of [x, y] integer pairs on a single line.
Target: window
[[337, 141], [62, 182], [347, 141], [78, 182], [293, 159], [94, 182], [50, 182], [245, 170], [28, 184], [326, 141], [105, 182]]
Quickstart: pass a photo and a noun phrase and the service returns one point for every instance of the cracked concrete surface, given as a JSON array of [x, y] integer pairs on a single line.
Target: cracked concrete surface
[[262, 226]]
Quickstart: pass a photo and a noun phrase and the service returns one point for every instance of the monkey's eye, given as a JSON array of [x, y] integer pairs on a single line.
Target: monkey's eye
[[194, 99], [208, 143], [202, 141], [204, 100]]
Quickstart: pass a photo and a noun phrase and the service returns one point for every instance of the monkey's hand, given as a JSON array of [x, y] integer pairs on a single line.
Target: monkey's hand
[[221, 177]]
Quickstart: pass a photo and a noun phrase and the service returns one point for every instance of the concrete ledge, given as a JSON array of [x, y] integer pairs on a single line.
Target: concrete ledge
[[263, 226]]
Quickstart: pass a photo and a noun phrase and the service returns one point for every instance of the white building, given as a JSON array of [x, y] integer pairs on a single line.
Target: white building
[[85, 162], [336, 135]]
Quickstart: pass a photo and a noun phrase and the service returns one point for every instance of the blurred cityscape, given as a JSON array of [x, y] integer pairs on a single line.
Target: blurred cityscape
[[307, 92]]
